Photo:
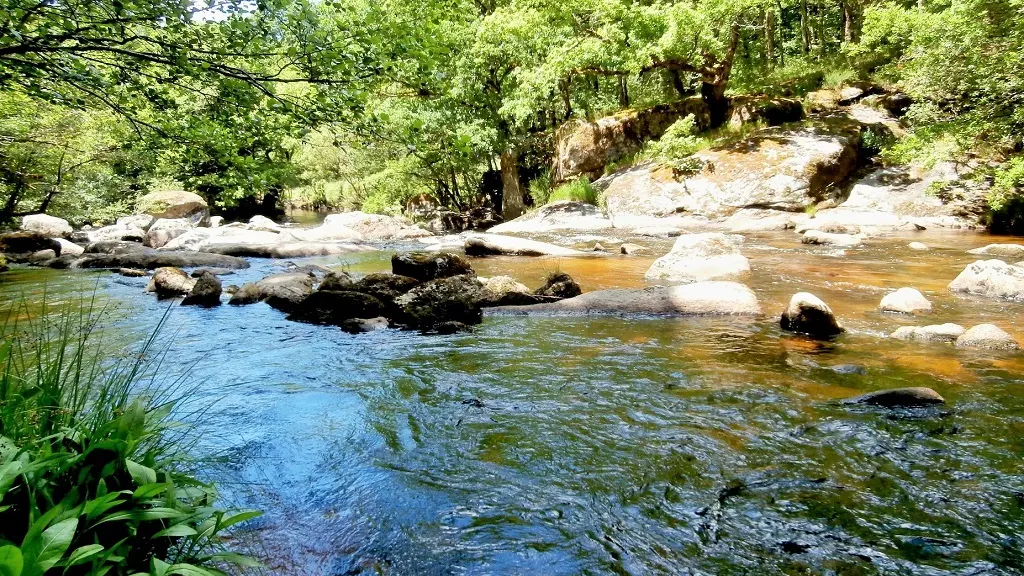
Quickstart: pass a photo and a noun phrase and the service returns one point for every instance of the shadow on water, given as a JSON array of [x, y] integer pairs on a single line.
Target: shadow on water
[[608, 446]]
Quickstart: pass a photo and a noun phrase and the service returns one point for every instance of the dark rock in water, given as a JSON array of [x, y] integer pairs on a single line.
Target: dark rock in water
[[132, 273], [336, 281], [114, 247], [431, 304], [248, 293], [848, 369], [363, 325], [385, 287], [19, 246], [447, 328], [206, 292], [198, 272], [515, 299], [62, 262], [559, 285], [807, 314], [42, 256], [151, 259], [285, 291], [425, 266], [900, 398], [169, 282], [336, 307]]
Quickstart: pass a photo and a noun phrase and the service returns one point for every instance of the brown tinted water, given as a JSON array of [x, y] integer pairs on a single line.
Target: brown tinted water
[[613, 445]]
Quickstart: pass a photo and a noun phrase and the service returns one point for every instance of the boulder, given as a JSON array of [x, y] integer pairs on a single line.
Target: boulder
[[376, 227], [785, 169], [206, 292], [260, 223], [501, 285], [150, 259], [49, 226], [505, 291], [584, 148], [132, 273], [919, 246], [988, 336], [829, 239], [284, 249], [452, 299], [140, 221], [807, 314], [284, 291], [364, 325], [332, 231], [26, 243], [425, 266], [991, 278], [934, 333], [1009, 251], [198, 272], [117, 233], [850, 94], [748, 220], [384, 287], [248, 293], [699, 299], [174, 204], [336, 307], [563, 215], [895, 104], [164, 230], [630, 249], [42, 256], [905, 301], [559, 285], [216, 221], [765, 110], [336, 281], [700, 257], [169, 282], [69, 248], [496, 244], [202, 239], [900, 398]]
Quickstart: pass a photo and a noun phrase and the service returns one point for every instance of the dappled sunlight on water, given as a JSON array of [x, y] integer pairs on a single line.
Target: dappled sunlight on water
[[626, 446]]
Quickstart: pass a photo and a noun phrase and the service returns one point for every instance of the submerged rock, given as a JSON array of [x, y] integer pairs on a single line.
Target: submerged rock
[[699, 257], [336, 307], [987, 336], [496, 244], [424, 266], [830, 239], [933, 333], [991, 278], [905, 301], [900, 398], [807, 314], [919, 246], [206, 292], [699, 299], [363, 325], [169, 282]]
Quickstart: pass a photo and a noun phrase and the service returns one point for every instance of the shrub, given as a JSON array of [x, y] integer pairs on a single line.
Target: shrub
[[93, 476], [540, 188], [580, 190]]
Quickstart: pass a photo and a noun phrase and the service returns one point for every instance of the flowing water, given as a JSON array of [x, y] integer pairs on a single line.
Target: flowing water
[[611, 445]]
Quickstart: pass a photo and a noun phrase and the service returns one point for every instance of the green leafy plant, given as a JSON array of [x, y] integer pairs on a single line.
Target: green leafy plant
[[579, 190], [94, 475], [540, 188]]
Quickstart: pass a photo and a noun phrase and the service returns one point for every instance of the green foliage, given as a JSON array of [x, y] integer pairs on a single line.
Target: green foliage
[[540, 188], [579, 190], [93, 475], [1007, 184]]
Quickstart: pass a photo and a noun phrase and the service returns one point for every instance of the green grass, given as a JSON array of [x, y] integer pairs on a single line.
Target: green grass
[[93, 466], [580, 190]]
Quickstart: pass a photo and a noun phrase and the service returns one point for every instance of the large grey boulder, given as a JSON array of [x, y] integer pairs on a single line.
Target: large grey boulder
[[285, 249], [564, 215], [900, 398], [374, 227], [988, 336], [201, 239], [49, 226], [116, 233], [168, 282], [141, 258], [331, 230], [164, 230], [496, 244], [991, 278], [69, 248], [699, 257], [808, 314], [173, 204], [140, 221], [260, 223], [425, 266], [1009, 251], [699, 299], [286, 290], [905, 301], [934, 333]]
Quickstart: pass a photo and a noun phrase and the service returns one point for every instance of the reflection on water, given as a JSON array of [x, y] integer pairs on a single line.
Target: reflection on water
[[612, 446]]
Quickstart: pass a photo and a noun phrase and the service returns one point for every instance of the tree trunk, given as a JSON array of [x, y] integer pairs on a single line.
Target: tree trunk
[[677, 83], [623, 92], [821, 29], [805, 27], [512, 205], [769, 37], [713, 93], [851, 21], [782, 35]]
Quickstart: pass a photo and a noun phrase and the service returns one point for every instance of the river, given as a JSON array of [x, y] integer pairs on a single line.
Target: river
[[609, 445]]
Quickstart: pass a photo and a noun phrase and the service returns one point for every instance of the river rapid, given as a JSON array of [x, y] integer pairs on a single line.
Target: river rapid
[[608, 445]]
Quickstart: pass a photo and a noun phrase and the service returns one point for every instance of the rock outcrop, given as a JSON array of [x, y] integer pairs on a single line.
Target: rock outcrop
[[765, 110], [699, 257]]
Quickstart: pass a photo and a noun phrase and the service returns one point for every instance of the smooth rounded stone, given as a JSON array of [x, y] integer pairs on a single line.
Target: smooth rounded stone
[[559, 285], [987, 336], [384, 287], [206, 292], [808, 314], [425, 266], [164, 230], [284, 291], [433, 303], [117, 232], [919, 246], [934, 333], [501, 285], [496, 244], [598, 247], [991, 278], [216, 221], [173, 204], [699, 299], [169, 282], [365, 325], [140, 221], [818, 237], [132, 273], [375, 227], [1013, 251], [336, 281], [336, 307], [563, 215], [260, 223], [26, 243], [248, 293], [900, 398], [505, 291], [42, 256], [68, 247], [215, 271], [700, 257], [49, 226], [630, 249], [905, 301], [150, 259]]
